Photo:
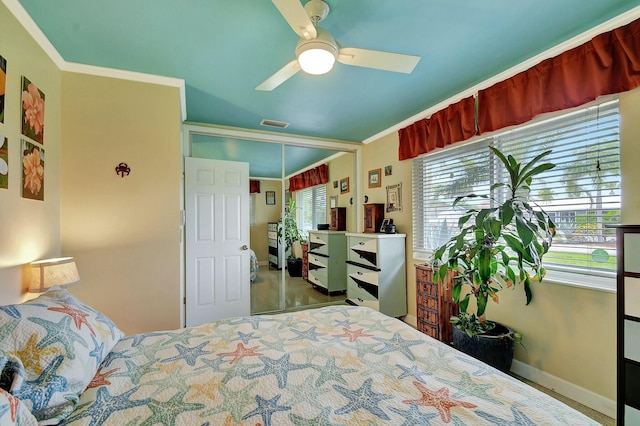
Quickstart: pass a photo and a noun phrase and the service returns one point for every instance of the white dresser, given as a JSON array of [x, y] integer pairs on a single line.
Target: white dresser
[[376, 272], [326, 257], [275, 259]]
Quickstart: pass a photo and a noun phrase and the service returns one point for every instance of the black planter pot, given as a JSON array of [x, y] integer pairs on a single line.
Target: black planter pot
[[294, 266], [494, 348]]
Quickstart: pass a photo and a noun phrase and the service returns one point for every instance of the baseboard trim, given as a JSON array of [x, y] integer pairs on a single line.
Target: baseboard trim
[[584, 396], [412, 320]]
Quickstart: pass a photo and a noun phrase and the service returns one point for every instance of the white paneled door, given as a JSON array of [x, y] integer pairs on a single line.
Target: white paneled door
[[217, 240]]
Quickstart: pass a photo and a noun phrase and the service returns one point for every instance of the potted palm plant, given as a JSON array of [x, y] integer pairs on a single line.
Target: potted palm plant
[[288, 226], [496, 247]]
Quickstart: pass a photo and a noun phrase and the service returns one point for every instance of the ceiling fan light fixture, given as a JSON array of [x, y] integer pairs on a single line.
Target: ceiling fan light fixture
[[317, 56], [316, 61]]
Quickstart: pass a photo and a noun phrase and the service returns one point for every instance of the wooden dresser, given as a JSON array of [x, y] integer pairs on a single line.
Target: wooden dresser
[[338, 219], [435, 306], [628, 324]]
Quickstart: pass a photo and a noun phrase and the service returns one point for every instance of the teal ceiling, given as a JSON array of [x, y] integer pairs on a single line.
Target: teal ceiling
[[223, 49], [264, 158]]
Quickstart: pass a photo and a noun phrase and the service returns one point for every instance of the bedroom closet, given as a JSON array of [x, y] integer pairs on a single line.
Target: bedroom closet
[[272, 161]]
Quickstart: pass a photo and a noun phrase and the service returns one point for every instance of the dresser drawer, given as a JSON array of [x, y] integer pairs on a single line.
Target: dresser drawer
[[272, 235], [317, 260], [273, 259], [361, 275], [318, 277], [319, 243], [363, 281], [273, 243], [361, 297], [363, 251]]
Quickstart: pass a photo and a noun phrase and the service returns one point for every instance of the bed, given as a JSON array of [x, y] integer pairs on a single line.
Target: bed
[[62, 361]]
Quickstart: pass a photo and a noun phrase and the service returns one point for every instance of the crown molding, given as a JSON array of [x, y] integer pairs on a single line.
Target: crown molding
[[34, 31], [619, 21]]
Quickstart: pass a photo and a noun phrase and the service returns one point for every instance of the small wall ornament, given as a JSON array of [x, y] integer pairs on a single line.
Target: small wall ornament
[[123, 169]]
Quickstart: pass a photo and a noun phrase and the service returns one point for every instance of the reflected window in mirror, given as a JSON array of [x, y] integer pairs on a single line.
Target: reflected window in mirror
[[312, 207], [252, 209]]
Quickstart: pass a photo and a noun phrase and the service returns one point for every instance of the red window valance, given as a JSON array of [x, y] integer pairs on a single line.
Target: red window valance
[[308, 178], [254, 186], [455, 123], [607, 64]]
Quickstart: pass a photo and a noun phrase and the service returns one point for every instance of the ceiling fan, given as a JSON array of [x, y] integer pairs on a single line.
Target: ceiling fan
[[317, 50]]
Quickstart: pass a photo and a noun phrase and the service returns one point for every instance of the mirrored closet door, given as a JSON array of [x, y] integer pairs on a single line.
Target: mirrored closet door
[[281, 278]]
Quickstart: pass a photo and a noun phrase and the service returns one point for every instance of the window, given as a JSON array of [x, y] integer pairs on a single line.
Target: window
[[581, 194], [312, 207], [252, 209]]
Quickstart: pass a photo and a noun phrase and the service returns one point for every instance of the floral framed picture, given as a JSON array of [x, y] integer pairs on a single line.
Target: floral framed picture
[[394, 198], [344, 185], [32, 111], [3, 85], [32, 171], [375, 178], [4, 162]]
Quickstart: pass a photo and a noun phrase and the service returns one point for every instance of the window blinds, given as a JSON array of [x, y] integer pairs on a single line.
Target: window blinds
[[581, 194]]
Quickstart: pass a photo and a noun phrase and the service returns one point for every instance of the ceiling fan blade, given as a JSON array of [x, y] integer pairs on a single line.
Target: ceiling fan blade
[[280, 76], [297, 18], [387, 61]]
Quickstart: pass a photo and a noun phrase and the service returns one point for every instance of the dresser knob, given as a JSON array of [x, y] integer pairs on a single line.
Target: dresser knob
[[361, 300]]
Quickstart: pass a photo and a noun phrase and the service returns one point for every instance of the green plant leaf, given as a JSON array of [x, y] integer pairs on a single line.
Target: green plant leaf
[[527, 290], [455, 292], [496, 227], [524, 231], [442, 273], [464, 303], [481, 300], [506, 212], [463, 219]]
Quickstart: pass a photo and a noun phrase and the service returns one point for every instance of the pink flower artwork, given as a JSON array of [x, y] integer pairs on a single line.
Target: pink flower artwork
[[32, 111], [32, 171]]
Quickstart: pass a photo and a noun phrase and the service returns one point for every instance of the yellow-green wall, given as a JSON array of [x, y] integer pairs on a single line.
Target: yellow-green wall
[[342, 168], [264, 214], [123, 231], [30, 229], [569, 332]]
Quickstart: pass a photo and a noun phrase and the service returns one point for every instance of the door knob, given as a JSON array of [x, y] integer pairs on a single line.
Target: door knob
[[245, 247]]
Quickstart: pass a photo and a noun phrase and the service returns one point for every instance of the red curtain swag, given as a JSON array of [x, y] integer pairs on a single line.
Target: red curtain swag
[[308, 178], [607, 64], [254, 186], [455, 123]]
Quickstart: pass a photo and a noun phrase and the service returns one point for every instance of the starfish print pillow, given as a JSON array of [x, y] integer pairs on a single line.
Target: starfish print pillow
[[60, 343]]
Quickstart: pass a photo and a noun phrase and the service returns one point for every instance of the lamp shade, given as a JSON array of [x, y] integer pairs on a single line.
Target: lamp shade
[[61, 272], [317, 56]]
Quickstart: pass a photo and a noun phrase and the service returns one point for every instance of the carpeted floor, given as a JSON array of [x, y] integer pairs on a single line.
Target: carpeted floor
[[595, 415]]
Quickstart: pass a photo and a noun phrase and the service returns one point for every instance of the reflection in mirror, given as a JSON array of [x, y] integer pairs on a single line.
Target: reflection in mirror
[[273, 287]]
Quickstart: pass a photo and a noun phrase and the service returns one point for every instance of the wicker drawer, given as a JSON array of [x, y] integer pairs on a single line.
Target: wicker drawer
[[434, 304]]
